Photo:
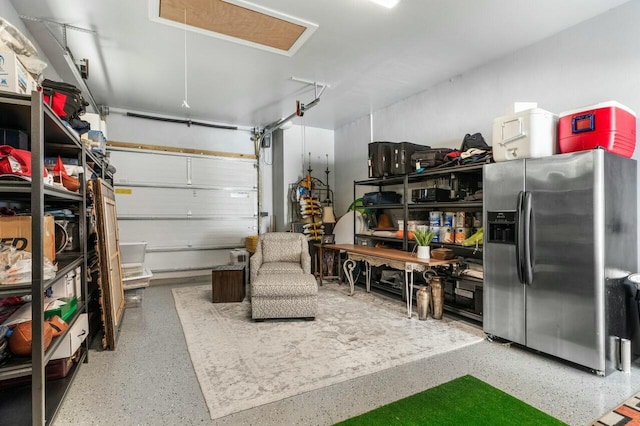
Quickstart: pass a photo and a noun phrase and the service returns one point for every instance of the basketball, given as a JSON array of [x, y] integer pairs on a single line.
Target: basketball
[[20, 340]]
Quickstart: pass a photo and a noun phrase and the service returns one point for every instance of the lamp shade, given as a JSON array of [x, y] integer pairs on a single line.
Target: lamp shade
[[327, 215]]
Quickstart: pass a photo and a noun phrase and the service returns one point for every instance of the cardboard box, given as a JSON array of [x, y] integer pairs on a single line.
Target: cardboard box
[[14, 77], [16, 231]]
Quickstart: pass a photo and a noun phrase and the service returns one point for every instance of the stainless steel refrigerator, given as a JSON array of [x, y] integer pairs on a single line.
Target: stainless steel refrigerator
[[560, 233]]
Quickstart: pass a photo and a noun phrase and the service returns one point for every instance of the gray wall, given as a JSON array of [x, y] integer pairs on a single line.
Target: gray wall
[[595, 61], [292, 163]]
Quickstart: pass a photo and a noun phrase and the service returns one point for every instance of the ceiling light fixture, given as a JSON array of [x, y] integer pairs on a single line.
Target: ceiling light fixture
[[389, 4], [185, 104]]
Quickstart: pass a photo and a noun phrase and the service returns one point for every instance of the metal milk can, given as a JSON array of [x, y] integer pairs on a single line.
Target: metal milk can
[[423, 300]]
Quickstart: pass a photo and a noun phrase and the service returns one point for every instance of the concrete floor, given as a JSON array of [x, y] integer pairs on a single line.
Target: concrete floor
[[149, 380]]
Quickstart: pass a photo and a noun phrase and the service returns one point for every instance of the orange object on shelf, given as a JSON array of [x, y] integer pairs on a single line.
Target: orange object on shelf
[[400, 234]]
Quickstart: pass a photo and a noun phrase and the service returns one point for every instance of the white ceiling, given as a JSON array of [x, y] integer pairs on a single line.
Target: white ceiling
[[371, 56]]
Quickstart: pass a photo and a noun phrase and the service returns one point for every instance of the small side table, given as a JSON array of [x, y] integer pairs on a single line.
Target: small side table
[[227, 283], [319, 265]]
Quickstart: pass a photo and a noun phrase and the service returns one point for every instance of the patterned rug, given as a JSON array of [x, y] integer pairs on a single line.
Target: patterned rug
[[241, 364], [626, 414]]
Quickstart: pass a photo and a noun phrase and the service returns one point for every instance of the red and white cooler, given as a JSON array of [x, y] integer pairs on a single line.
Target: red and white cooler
[[609, 125]]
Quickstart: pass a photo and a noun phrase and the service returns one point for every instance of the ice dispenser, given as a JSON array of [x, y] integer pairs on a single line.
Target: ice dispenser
[[502, 227]]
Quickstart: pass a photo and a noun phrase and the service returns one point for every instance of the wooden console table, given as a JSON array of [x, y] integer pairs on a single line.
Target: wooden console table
[[397, 259]]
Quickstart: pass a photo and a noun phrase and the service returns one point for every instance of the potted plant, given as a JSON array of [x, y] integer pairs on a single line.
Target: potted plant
[[423, 239]]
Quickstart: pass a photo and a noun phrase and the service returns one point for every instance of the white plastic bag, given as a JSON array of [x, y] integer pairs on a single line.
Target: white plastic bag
[[16, 266]]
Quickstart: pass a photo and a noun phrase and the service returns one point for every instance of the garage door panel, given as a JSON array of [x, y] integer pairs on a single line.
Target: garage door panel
[[202, 259], [142, 168], [226, 172], [189, 209], [150, 169], [179, 202], [184, 233]]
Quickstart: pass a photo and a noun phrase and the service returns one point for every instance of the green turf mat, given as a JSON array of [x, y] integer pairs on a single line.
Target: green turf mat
[[463, 401]]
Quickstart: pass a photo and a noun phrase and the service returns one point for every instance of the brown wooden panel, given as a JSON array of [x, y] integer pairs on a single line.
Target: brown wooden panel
[[387, 253], [108, 249], [179, 150], [234, 21]]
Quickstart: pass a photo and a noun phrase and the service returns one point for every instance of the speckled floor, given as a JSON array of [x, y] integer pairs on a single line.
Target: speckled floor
[[149, 380]]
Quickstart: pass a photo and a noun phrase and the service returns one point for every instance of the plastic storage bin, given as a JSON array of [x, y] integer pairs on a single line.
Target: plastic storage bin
[[610, 125], [525, 134], [138, 281], [133, 297], [132, 258]]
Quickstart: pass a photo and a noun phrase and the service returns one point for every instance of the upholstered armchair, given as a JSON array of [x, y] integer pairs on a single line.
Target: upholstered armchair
[[282, 285], [281, 253]]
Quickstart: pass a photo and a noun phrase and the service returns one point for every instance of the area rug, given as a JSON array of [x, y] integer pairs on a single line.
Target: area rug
[[628, 413], [463, 401], [241, 364]]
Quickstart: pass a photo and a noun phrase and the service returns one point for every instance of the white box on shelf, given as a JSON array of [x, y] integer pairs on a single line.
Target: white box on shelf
[[73, 339], [92, 119], [14, 77], [78, 283], [103, 128], [59, 289], [69, 286]]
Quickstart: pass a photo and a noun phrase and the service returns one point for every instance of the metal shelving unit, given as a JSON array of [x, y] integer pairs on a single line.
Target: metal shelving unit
[[404, 184], [48, 136]]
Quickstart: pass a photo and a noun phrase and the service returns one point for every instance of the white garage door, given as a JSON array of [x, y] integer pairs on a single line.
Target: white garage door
[[190, 209]]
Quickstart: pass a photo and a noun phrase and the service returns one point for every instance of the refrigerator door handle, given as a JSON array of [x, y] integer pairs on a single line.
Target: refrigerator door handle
[[527, 258], [520, 237]]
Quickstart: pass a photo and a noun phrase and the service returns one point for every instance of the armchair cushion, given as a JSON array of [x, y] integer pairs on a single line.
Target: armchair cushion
[[289, 286], [281, 250], [280, 268]]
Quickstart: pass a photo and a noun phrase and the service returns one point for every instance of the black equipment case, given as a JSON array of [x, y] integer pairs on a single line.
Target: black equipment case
[[429, 158], [380, 159], [382, 197], [424, 195], [401, 163], [64, 99]]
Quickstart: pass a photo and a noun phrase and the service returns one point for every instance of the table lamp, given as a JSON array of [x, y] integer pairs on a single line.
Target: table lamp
[[328, 218]]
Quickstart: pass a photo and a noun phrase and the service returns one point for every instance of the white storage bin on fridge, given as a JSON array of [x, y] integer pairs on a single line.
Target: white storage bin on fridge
[[525, 134]]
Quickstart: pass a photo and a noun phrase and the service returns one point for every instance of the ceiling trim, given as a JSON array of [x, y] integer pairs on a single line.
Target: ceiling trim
[[310, 27]]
